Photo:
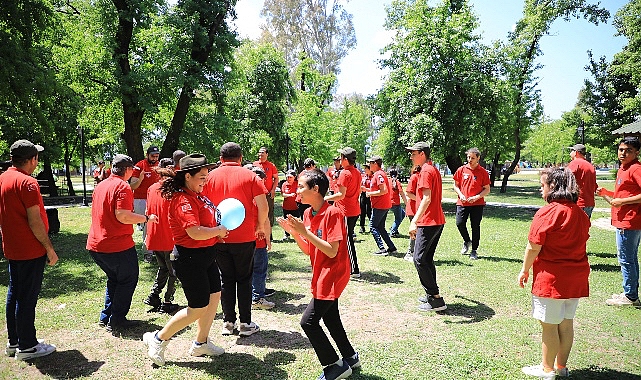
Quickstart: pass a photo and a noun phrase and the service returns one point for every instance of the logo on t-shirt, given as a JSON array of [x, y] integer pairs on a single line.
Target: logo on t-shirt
[[32, 187], [319, 233], [466, 176], [186, 207]]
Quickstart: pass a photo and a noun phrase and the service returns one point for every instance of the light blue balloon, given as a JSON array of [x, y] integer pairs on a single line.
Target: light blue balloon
[[232, 213]]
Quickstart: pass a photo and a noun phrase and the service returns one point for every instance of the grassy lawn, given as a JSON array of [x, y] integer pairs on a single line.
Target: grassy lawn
[[486, 332]]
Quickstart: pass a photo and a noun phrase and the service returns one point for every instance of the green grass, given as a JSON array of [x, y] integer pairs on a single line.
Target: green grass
[[486, 332]]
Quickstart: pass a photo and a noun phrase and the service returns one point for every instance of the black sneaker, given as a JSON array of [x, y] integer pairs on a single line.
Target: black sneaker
[[466, 247], [395, 235], [392, 251], [473, 255], [354, 361], [433, 304], [380, 252], [335, 372], [169, 307], [269, 292], [153, 300], [149, 257]]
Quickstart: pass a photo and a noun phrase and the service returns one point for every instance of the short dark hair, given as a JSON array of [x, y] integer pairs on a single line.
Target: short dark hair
[[393, 172], [231, 151], [350, 159], [632, 141], [315, 177], [562, 184]]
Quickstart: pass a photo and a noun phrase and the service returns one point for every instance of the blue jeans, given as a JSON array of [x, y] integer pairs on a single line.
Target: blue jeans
[[259, 277], [588, 211], [377, 226], [627, 252], [399, 214], [121, 269], [25, 281]]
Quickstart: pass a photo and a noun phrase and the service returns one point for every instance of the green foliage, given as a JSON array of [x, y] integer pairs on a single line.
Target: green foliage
[[549, 141], [627, 63]]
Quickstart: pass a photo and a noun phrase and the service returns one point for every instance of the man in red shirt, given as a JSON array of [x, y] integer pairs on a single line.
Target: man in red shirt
[[270, 181], [472, 184], [144, 176], [111, 244], [99, 173], [379, 195], [332, 174], [346, 198], [27, 247], [626, 217], [235, 256], [585, 176], [427, 225]]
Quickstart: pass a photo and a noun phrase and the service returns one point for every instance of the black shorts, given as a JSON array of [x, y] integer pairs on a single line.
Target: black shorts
[[198, 273]]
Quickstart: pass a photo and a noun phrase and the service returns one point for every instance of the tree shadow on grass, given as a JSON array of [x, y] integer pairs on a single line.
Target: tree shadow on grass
[[605, 268], [520, 213], [451, 263], [379, 278], [603, 255], [598, 373], [497, 259], [286, 340], [477, 312], [358, 374], [69, 364], [241, 366]]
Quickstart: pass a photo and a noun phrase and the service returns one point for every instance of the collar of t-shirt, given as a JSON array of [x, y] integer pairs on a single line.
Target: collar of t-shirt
[[323, 207], [18, 170], [229, 163], [624, 167]]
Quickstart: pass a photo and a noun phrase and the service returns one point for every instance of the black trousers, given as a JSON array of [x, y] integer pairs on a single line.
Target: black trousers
[[290, 212], [236, 264], [426, 241], [310, 322], [475, 214], [351, 247], [366, 209]]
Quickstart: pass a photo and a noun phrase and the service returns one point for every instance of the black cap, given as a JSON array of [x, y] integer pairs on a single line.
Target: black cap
[[348, 152], [122, 161], [25, 149], [309, 162], [153, 150], [419, 146], [194, 161], [579, 148]]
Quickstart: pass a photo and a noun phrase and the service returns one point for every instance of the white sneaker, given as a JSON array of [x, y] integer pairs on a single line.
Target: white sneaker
[[156, 348], [11, 349], [247, 329], [207, 348], [228, 328], [40, 349], [563, 372], [538, 371], [262, 304], [622, 300], [408, 257]]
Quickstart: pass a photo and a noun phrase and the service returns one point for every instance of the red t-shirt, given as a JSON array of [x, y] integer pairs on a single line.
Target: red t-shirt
[[260, 243], [188, 209], [350, 178], [396, 191], [561, 269], [149, 179], [289, 203], [430, 178], [382, 202], [269, 169], [18, 192], [231, 180], [366, 180], [329, 275], [158, 234], [628, 184], [471, 182], [586, 179], [331, 173], [410, 208], [107, 234]]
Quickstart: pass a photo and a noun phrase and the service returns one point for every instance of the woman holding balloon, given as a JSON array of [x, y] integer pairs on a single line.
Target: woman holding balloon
[[192, 218]]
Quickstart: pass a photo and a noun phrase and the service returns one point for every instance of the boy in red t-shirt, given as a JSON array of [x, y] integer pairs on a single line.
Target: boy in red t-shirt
[[322, 236], [288, 190]]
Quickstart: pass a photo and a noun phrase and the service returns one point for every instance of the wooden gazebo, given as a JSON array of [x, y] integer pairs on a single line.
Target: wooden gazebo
[[632, 129]]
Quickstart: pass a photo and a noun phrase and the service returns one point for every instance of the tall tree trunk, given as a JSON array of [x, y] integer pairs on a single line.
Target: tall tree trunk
[[453, 162], [132, 113], [495, 168]]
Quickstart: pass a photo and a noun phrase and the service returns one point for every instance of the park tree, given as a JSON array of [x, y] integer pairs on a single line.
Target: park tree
[[627, 63], [549, 141], [322, 29], [524, 48], [440, 86]]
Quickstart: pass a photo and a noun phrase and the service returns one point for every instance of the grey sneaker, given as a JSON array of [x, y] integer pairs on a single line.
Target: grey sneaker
[[354, 361], [207, 348], [433, 304], [466, 247], [473, 255], [563, 372], [228, 328], [40, 349], [335, 372], [262, 304], [380, 252], [408, 257], [247, 329], [622, 300], [11, 349], [155, 348], [355, 275]]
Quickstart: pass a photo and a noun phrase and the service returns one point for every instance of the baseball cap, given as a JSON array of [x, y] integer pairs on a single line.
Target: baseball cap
[[348, 152], [122, 161], [375, 159], [419, 146], [579, 148], [153, 150], [309, 162], [25, 149]]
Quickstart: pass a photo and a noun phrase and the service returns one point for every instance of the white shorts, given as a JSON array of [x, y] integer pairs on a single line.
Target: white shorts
[[552, 310]]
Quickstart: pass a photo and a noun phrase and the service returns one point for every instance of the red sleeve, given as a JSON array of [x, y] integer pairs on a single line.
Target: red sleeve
[[258, 187], [424, 180], [541, 223], [139, 168], [124, 197], [335, 225], [30, 192], [457, 176], [186, 214], [486, 178]]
